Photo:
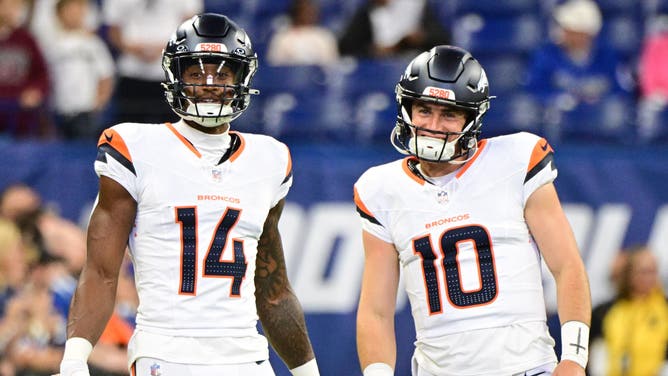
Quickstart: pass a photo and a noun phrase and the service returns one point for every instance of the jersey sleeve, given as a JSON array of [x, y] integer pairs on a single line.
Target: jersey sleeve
[[284, 188], [368, 210], [540, 168], [115, 162]]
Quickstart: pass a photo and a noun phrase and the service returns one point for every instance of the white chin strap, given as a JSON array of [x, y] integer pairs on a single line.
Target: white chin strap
[[208, 114]]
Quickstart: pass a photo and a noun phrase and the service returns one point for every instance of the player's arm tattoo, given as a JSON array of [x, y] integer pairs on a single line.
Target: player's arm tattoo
[[278, 308]]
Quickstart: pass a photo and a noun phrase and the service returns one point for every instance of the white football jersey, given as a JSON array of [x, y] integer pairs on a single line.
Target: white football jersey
[[469, 263], [194, 240]]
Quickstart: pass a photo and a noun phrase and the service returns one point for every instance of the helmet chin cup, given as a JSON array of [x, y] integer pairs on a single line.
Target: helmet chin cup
[[431, 148], [208, 114]]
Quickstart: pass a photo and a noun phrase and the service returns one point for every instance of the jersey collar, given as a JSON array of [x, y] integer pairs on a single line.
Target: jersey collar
[[410, 168]]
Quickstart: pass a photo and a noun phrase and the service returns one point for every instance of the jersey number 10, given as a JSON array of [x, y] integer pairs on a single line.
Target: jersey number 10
[[213, 266], [449, 250]]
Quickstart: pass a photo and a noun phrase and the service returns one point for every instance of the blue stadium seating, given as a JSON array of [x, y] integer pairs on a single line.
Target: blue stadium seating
[[627, 7], [505, 71], [496, 8], [271, 79], [624, 33], [372, 75], [607, 121], [513, 112], [234, 9], [652, 125], [512, 34], [299, 117]]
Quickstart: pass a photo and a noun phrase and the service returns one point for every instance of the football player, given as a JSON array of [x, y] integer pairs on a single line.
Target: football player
[[199, 206], [467, 221]]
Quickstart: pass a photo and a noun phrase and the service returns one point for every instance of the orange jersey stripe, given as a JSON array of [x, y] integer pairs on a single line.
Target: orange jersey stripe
[[113, 139], [540, 151], [183, 139], [288, 170], [481, 145], [360, 204], [410, 173]]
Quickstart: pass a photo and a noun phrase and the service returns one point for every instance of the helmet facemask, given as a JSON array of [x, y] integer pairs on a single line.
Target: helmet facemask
[[431, 145], [208, 101]]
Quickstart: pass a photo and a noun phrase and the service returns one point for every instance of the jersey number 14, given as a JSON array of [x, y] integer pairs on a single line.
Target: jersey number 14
[[213, 266]]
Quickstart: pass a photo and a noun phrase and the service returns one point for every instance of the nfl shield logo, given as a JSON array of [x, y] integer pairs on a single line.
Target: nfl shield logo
[[155, 370], [216, 175], [442, 197]]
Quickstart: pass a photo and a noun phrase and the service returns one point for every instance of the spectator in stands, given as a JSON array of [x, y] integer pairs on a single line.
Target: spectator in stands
[[653, 77], [138, 29], [18, 199], [574, 66], [24, 80], [632, 328], [65, 242], [82, 70], [37, 346], [31, 283], [382, 28], [14, 262], [42, 19], [302, 41]]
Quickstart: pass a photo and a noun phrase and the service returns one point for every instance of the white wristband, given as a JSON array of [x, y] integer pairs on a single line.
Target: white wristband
[[77, 348], [575, 342], [309, 368], [378, 369]]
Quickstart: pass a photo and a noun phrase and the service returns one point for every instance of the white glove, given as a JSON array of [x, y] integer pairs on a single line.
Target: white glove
[[73, 367]]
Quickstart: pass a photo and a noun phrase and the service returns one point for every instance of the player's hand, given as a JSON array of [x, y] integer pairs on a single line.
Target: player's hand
[[72, 367], [568, 368]]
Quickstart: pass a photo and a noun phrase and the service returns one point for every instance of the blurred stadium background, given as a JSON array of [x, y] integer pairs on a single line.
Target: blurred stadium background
[[337, 120]]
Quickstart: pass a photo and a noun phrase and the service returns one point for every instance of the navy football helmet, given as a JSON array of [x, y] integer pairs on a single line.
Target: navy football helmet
[[444, 75], [209, 39]]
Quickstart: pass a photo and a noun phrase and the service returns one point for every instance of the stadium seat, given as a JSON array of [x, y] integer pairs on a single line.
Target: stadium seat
[[292, 116], [505, 71], [652, 124], [234, 9], [513, 34], [624, 33], [496, 8], [268, 7], [512, 112], [270, 79], [627, 7], [372, 75], [373, 116], [607, 121]]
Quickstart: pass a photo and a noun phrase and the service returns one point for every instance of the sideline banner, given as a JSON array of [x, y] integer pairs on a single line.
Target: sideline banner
[[613, 196]]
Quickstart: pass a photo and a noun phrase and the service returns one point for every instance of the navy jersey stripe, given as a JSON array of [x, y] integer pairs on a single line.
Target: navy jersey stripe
[[287, 178], [367, 216], [106, 148], [549, 158]]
